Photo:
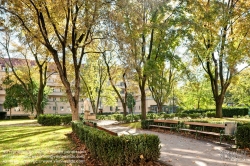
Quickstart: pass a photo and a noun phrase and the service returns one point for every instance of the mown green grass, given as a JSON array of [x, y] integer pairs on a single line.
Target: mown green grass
[[17, 121], [135, 125], [35, 145]]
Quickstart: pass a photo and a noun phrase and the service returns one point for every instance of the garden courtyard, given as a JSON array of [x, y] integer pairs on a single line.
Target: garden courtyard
[[25, 142]]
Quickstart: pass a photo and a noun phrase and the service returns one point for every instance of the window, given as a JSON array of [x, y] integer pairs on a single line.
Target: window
[[62, 108], [54, 108], [111, 108], [54, 99]]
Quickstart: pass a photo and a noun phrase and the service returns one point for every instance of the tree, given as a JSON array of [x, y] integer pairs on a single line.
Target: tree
[[67, 29], [161, 81], [239, 93], [23, 64], [218, 39], [10, 100], [17, 92], [195, 95], [143, 32], [130, 102], [114, 71], [95, 83]]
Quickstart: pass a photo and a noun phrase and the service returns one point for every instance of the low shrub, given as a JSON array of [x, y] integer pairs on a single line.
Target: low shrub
[[145, 123], [101, 117], [113, 150], [3, 115], [182, 115], [127, 119], [195, 115], [136, 118], [211, 114], [243, 136], [54, 120], [152, 116], [118, 117], [230, 112], [66, 119]]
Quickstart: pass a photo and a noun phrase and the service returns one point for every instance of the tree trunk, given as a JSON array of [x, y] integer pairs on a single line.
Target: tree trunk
[[159, 107], [219, 103], [124, 107], [10, 114], [143, 104]]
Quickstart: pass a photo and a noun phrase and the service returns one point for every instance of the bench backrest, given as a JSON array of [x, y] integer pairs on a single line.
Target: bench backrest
[[166, 121], [205, 124]]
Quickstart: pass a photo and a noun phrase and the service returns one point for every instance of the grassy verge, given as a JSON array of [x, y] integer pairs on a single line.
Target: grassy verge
[[135, 125], [17, 121], [35, 145]]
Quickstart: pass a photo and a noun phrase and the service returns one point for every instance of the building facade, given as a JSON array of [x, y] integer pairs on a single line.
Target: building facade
[[58, 103]]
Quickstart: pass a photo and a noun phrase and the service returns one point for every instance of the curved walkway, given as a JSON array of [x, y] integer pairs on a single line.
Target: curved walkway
[[182, 151]]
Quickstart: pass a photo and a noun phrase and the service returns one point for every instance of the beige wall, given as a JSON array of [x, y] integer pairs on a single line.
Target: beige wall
[[58, 103]]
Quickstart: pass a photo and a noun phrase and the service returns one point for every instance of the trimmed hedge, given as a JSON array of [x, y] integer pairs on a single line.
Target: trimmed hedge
[[54, 120], [196, 111], [243, 136], [145, 123], [3, 115], [226, 112], [230, 112], [113, 150]]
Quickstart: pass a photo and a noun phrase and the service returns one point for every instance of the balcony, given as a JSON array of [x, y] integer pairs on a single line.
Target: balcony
[[57, 93]]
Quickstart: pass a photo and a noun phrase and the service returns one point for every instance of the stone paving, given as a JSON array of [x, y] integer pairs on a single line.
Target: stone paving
[[178, 150]]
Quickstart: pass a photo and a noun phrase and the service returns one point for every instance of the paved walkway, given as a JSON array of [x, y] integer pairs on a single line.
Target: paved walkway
[[182, 151]]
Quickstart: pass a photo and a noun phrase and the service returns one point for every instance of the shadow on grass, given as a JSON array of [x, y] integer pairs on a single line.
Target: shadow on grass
[[8, 135], [43, 145]]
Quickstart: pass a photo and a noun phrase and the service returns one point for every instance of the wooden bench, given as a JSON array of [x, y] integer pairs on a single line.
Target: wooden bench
[[199, 128], [165, 124]]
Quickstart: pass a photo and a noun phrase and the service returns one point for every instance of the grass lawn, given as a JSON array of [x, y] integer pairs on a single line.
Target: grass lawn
[[17, 121], [34, 145], [136, 125]]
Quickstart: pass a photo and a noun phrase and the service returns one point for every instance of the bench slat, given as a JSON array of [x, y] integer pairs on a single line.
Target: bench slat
[[205, 124], [166, 121]]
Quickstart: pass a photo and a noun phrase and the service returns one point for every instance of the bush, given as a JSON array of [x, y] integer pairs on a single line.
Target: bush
[[211, 114], [113, 150], [118, 117], [136, 118], [243, 136], [101, 117], [230, 112], [54, 120], [152, 116], [182, 115], [196, 111], [66, 119], [127, 119], [3, 115], [195, 115], [145, 123]]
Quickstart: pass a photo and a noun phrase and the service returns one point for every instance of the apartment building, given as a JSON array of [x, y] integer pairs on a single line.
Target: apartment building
[[58, 104]]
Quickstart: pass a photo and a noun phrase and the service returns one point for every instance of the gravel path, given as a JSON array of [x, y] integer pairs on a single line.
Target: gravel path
[[178, 150]]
